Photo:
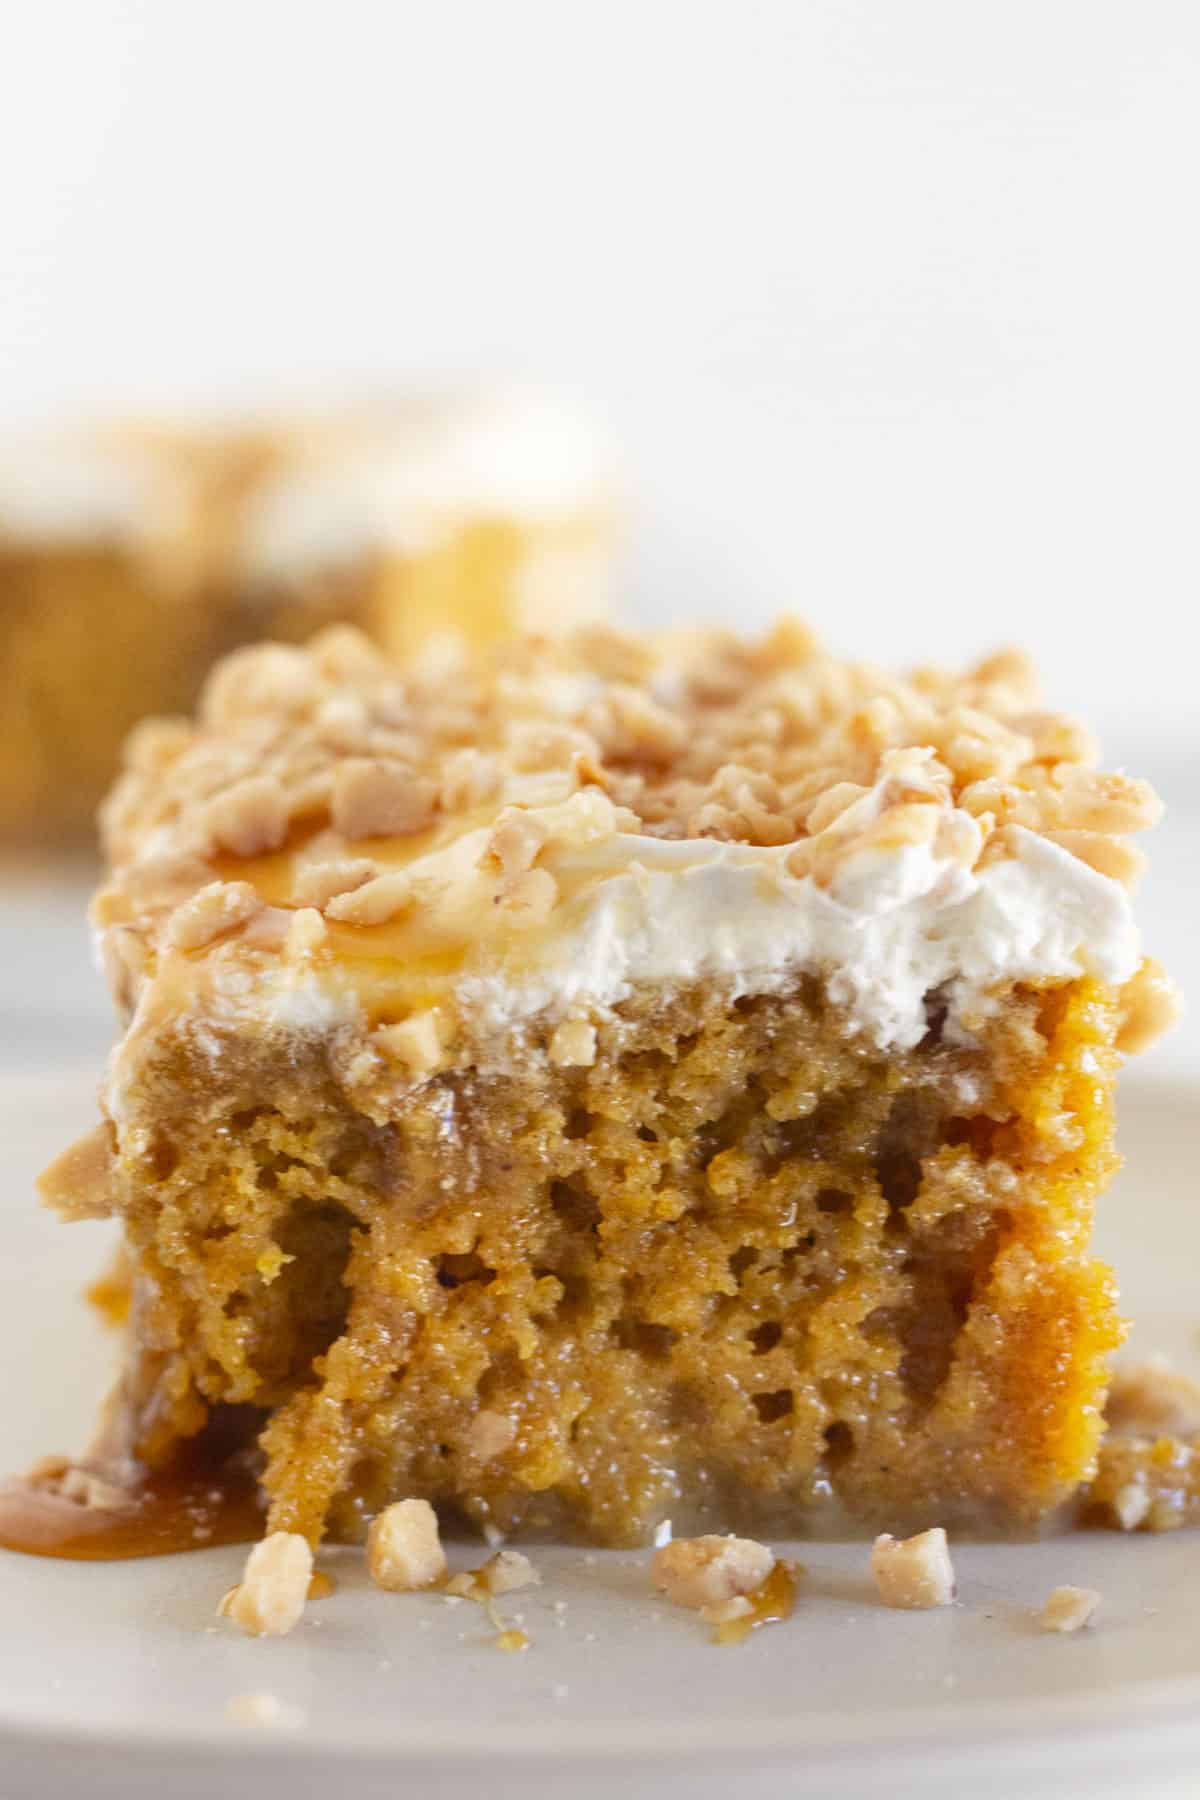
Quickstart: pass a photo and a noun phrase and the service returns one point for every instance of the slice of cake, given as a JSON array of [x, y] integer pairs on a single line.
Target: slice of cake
[[616, 1080], [131, 560]]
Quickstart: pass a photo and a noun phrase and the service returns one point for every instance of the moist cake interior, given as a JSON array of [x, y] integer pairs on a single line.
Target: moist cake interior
[[738, 1266]]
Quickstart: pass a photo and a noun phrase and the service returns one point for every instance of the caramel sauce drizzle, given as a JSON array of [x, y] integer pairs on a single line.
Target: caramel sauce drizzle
[[770, 1603], [204, 1498]]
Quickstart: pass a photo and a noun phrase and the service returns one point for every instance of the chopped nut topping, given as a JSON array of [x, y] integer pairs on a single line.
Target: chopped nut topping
[[1152, 1006], [249, 817], [218, 908], [515, 841], [305, 934], [269, 1599], [704, 1571], [379, 799], [1107, 855], [375, 902], [316, 884], [913, 1572], [469, 778], [1068, 1608], [404, 1550], [491, 1434], [531, 896], [565, 741]]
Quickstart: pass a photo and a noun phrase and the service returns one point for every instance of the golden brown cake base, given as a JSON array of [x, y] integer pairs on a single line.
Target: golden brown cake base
[[97, 632], [92, 639], [743, 1265]]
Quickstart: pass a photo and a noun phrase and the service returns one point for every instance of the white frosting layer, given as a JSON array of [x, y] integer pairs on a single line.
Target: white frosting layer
[[403, 480], [893, 927], [889, 933]]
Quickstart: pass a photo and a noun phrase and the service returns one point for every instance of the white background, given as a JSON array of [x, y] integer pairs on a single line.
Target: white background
[[894, 306]]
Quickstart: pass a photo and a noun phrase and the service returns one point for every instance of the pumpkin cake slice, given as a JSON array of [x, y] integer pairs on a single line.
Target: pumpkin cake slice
[[613, 1079], [133, 558]]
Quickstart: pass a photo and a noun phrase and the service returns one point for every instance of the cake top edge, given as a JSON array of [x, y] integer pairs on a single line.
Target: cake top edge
[[688, 735], [448, 849]]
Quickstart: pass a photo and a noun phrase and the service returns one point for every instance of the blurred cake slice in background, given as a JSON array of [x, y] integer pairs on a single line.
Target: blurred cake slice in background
[[130, 559]]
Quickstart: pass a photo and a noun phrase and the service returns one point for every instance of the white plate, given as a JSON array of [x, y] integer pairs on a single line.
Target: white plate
[[114, 1678]]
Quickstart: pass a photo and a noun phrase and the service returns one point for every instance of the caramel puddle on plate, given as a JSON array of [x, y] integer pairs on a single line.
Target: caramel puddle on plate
[[208, 1496]]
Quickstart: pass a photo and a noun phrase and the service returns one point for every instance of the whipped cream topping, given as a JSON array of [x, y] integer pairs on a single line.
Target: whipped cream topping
[[890, 930], [404, 479], [76, 490]]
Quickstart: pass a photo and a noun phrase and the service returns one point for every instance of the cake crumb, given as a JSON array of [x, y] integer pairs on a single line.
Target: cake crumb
[[269, 1599], [404, 1550], [704, 1571], [914, 1573], [1068, 1608], [263, 1710]]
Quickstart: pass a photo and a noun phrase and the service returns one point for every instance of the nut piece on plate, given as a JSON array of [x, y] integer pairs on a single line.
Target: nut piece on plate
[[1068, 1608], [269, 1599], [705, 1571], [914, 1573], [507, 1571], [404, 1550]]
